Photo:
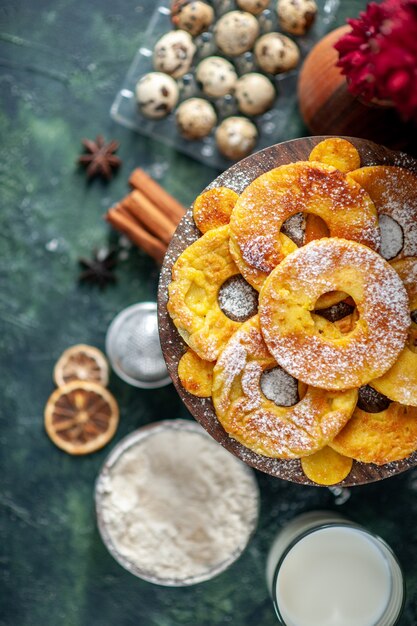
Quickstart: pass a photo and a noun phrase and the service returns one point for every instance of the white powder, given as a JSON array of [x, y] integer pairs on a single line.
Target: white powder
[[392, 237], [177, 505], [237, 299]]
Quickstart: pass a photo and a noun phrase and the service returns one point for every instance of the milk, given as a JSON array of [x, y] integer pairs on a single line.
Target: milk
[[323, 570]]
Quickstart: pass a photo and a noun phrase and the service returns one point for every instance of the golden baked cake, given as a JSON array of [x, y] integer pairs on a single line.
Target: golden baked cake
[[195, 374], [311, 354], [383, 437], [284, 432], [197, 276], [251, 274], [306, 187], [315, 356], [337, 152], [394, 193], [400, 382], [213, 208], [326, 467]]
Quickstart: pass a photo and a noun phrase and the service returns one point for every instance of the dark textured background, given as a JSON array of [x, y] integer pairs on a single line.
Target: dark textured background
[[62, 62]]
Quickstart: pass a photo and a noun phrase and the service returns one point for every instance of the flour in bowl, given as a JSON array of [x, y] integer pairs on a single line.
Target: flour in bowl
[[177, 506]]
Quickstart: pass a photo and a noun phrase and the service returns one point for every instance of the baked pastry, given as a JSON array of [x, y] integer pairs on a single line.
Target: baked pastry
[[296, 17], [394, 193], [156, 94], [284, 432], [213, 208], [254, 93], [384, 437], [195, 374], [197, 276], [236, 32], [236, 137], [304, 187], [323, 356], [195, 118], [337, 152], [276, 53], [173, 53], [400, 382], [216, 76], [250, 273], [326, 467]]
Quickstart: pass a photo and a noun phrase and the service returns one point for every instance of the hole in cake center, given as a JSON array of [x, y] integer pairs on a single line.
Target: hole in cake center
[[238, 299], [343, 314], [392, 237], [279, 387], [302, 228], [371, 401]]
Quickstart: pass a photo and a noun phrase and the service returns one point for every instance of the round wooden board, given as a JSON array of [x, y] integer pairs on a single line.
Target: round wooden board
[[237, 178]]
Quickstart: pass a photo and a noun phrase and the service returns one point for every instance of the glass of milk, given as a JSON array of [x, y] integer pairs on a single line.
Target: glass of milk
[[324, 570]]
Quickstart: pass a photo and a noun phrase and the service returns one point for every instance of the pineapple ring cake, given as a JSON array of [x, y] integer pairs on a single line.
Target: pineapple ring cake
[[301, 187], [194, 302], [394, 192], [400, 382], [383, 437], [302, 346], [247, 415]]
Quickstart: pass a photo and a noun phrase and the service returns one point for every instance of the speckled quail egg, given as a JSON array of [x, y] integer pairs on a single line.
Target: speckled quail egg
[[217, 76], [254, 93], [173, 53], [252, 6], [296, 16], [236, 137], [195, 118], [194, 16], [276, 53], [157, 94], [236, 32]]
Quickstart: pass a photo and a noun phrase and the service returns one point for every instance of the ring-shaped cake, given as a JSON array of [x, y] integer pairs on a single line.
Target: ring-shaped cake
[[400, 382], [379, 438], [284, 432], [308, 352], [197, 277], [302, 187]]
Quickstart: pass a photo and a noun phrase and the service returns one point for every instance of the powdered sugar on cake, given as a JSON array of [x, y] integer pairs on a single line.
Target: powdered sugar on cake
[[373, 345]]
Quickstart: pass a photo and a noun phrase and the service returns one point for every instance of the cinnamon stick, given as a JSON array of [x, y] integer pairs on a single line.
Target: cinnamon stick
[[162, 199], [145, 211], [122, 221]]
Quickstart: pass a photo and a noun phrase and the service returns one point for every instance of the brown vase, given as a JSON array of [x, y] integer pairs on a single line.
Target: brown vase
[[328, 108]]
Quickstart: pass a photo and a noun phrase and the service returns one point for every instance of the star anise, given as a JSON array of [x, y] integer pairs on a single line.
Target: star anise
[[99, 269], [100, 159]]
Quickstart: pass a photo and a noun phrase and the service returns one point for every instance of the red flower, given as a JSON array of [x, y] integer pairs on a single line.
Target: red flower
[[379, 55]]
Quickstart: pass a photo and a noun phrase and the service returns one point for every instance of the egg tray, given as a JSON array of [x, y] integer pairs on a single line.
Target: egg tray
[[278, 124]]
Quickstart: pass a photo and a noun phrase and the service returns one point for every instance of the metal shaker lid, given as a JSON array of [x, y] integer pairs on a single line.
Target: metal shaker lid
[[133, 347]]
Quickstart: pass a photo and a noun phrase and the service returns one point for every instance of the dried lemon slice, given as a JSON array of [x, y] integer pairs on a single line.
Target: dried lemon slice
[[326, 467], [81, 417], [81, 362]]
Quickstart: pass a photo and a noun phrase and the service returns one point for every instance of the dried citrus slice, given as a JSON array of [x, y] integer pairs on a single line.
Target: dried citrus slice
[[81, 417], [326, 467], [81, 362]]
